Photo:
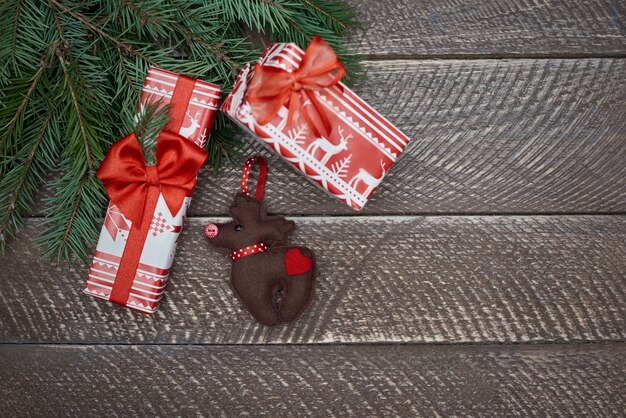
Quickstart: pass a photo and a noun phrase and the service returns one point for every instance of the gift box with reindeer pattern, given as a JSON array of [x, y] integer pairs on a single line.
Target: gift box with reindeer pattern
[[193, 105], [348, 162]]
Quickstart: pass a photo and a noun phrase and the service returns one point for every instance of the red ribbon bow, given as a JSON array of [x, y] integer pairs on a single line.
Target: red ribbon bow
[[127, 180], [271, 87], [135, 189]]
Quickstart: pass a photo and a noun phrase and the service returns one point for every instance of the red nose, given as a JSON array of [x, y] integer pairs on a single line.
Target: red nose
[[211, 231]]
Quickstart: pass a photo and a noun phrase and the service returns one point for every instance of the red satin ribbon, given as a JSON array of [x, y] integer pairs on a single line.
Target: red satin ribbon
[[180, 102], [272, 87], [134, 188]]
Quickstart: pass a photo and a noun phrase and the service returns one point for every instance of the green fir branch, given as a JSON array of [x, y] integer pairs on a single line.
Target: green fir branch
[[223, 144], [71, 73], [336, 23], [147, 125], [16, 192], [17, 113], [72, 89], [71, 229], [18, 187], [15, 23]]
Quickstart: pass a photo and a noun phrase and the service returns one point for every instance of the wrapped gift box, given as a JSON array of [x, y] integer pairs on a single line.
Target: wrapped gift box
[[351, 162], [193, 104]]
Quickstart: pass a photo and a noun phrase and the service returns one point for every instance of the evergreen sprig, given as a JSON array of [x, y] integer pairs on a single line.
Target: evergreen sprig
[[71, 72], [148, 124]]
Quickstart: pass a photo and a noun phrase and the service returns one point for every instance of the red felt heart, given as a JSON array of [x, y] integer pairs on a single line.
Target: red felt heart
[[296, 263]]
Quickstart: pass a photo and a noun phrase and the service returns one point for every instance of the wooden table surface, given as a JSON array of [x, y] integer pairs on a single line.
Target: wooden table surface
[[487, 277]]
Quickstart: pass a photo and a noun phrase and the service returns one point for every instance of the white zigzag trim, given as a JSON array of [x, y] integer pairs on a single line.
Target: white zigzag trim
[[135, 284], [203, 102], [372, 113], [105, 263], [141, 307], [155, 90], [155, 277], [174, 78], [355, 124], [95, 293], [136, 305], [359, 115]]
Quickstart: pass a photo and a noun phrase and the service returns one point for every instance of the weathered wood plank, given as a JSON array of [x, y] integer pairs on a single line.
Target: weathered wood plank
[[573, 380], [490, 27], [488, 136], [493, 136], [381, 279]]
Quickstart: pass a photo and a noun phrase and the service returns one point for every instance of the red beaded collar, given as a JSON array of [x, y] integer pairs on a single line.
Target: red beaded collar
[[249, 250]]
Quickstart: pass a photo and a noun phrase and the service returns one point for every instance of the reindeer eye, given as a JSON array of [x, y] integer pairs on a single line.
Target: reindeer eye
[[238, 227]]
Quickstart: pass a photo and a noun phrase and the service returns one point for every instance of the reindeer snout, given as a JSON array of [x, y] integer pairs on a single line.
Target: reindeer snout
[[211, 231]]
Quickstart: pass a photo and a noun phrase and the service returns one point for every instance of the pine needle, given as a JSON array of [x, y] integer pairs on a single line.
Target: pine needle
[[148, 124], [71, 72]]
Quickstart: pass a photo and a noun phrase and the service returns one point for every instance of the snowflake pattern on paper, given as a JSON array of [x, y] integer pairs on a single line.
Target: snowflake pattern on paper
[[298, 135], [341, 167]]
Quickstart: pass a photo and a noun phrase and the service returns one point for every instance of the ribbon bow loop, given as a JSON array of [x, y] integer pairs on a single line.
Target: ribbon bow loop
[[272, 87], [126, 178]]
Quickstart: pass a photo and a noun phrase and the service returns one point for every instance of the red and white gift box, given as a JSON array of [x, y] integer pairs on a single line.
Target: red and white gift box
[[193, 104], [351, 162]]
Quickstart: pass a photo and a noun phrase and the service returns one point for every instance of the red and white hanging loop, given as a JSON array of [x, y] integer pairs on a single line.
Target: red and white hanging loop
[[260, 185]]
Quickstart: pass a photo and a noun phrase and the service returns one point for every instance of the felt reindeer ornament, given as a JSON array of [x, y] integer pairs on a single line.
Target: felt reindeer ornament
[[274, 281]]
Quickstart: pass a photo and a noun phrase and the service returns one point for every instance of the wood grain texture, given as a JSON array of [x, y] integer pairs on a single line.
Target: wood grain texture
[[490, 136], [583, 380], [394, 279], [490, 27]]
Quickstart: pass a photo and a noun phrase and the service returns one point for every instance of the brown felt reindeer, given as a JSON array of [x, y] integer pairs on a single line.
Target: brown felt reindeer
[[274, 281]]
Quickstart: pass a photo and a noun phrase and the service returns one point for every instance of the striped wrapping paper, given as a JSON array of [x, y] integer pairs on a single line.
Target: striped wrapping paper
[[158, 253], [352, 162]]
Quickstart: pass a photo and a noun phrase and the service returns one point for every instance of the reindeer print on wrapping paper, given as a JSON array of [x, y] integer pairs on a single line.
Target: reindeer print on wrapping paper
[[363, 176], [328, 147], [189, 130]]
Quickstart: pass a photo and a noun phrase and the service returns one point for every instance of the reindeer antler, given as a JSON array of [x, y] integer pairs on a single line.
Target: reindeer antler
[[245, 208], [340, 131]]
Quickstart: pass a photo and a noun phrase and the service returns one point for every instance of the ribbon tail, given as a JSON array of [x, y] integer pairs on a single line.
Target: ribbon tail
[[319, 122], [135, 243], [174, 198], [294, 101]]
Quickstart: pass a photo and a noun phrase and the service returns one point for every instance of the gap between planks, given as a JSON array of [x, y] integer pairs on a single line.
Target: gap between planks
[[485, 344], [479, 57]]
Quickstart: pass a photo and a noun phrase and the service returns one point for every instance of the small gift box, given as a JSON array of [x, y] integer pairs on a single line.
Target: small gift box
[[148, 204], [293, 102]]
